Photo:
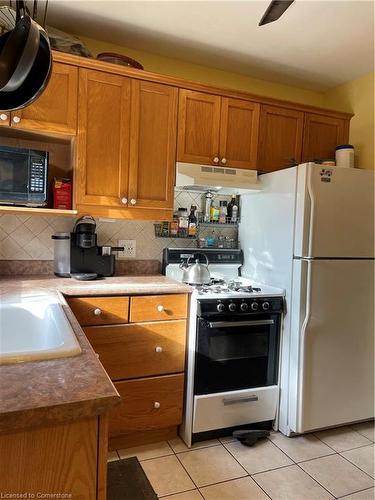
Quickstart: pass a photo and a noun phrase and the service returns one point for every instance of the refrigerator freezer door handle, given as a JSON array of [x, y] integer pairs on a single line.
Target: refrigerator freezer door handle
[[312, 210], [304, 332]]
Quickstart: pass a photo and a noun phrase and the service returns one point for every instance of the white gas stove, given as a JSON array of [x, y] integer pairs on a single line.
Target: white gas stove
[[233, 347]]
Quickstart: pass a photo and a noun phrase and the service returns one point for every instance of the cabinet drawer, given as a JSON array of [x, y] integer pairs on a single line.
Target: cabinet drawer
[[100, 310], [158, 307], [231, 409], [140, 350], [147, 404]]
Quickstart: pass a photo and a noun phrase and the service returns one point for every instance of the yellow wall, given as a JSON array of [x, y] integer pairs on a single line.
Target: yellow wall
[[357, 96], [212, 76]]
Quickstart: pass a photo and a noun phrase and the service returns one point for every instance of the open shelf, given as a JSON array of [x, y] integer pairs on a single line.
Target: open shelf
[[6, 209]]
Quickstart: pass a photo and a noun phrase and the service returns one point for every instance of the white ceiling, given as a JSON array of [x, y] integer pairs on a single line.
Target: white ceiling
[[315, 44]]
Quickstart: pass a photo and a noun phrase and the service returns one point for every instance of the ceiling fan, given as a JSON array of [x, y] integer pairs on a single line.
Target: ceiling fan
[[274, 11]]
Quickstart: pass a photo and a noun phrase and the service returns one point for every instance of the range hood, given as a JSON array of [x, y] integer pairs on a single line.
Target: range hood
[[191, 177]]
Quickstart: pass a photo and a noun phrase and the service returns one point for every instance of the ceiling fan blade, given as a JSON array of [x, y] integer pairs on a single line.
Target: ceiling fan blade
[[274, 11]]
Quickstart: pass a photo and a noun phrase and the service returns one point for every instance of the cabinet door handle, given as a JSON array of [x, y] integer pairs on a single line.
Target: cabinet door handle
[[216, 159], [16, 119], [156, 405], [158, 349], [223, 161], [124, 200], [133, 201], [97, 311], [3, 117], [160, 308]]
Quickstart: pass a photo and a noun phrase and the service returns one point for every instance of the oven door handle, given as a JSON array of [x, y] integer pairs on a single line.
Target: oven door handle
[[225, 324], [235, 401]]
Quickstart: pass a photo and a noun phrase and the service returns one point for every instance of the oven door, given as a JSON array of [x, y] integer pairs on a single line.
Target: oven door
[[236, 353]]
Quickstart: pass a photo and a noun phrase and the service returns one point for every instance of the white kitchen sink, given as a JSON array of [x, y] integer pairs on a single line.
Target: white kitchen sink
[[35, 329]]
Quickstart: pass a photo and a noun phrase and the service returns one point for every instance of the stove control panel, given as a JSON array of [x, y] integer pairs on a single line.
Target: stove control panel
[[240, 306]]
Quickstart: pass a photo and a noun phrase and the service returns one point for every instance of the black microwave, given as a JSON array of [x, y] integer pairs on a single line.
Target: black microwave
[[23, 176]]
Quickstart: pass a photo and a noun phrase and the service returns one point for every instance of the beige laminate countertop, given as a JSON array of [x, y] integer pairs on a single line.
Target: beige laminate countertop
[[45, 392]]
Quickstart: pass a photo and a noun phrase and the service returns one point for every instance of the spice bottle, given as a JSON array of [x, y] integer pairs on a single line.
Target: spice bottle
[[192, 229]]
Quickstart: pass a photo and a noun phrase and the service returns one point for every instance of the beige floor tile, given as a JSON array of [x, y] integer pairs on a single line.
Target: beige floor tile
[[146, 451], [211, 465], [239, 489], [290, 483], [264, 455], [367, 429], [187, 495], [361, 495], [362, 458], [167, 475], [337, 475], [112, 456], [227, 439], [300, 447], [342, 438], [179, 446]]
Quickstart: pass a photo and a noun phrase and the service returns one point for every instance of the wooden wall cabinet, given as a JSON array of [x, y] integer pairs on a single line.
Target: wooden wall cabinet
[[153, 129], [321, 136], [215, 130], [280, 138], [126, 144], [55, 111], [103, 139]]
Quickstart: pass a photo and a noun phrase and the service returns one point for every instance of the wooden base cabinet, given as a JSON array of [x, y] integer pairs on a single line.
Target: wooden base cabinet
[[68, 458], [141, 342]]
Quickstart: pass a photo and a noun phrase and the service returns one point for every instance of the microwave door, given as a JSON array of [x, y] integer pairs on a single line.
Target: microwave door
[[14, 176]]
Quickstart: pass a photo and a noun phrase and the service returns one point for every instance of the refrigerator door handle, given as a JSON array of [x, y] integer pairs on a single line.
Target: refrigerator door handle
[[304, 332], [312, 211]]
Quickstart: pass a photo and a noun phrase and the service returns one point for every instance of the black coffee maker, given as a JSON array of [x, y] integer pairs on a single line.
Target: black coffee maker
[[87, 259]]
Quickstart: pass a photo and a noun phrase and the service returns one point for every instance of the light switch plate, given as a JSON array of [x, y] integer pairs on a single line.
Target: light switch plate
[[130, 249]]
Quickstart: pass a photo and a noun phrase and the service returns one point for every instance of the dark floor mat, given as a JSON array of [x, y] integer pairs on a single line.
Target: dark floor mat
[[127, 481]]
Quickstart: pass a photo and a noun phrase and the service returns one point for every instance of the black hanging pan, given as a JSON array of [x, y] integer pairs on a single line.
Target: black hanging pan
[[19, 52], [27, 69]]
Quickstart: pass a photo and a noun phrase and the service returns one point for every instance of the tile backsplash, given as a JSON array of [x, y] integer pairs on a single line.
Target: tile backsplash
[[28, 237]]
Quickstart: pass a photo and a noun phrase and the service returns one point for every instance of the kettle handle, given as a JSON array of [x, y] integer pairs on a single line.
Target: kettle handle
[[194, 255]]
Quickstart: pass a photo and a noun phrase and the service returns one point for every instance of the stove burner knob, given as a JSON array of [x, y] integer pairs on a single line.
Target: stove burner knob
[[244, 306], [220, 307], [254, 306], [265, 306], [232, 307]]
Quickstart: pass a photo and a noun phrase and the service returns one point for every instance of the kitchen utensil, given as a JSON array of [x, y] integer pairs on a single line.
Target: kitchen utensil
[[196, 274], [36, 79], [18, 53], [114, 58]]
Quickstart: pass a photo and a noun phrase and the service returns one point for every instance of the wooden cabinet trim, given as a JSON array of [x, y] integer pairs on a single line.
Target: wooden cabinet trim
[[191, 85]]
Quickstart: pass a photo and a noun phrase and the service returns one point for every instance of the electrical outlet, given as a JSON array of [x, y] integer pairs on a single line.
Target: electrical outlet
[[130, 249]]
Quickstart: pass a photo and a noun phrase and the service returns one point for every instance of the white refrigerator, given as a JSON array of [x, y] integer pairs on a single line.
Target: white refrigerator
[[310, 230]]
